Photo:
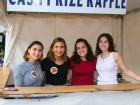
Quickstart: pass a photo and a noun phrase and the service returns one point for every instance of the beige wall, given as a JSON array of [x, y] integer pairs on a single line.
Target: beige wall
[[46, 27], [23, 28], [69, 26], [131, 41]]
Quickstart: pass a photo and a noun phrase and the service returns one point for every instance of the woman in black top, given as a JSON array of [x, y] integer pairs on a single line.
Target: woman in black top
[[56, 63]]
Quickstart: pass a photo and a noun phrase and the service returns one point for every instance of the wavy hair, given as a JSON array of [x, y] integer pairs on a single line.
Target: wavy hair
[[26, 54], [89, 55], [110, 41], [50, 53]]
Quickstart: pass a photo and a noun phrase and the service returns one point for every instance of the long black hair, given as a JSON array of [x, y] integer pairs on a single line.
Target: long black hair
[[110, 41], [89, 55]]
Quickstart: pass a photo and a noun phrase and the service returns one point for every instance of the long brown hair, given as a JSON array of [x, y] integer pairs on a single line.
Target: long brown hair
[[26, 54], [50, 53]]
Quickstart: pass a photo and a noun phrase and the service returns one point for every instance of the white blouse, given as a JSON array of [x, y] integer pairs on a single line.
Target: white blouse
[[107, 70]]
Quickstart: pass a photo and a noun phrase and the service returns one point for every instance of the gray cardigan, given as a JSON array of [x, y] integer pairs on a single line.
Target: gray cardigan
[[23, 75]]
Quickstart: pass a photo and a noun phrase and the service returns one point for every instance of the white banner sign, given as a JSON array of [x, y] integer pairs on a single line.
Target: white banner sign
[[68, 6]]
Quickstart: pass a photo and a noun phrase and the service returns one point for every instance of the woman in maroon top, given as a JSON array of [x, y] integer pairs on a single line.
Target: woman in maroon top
[[82, 64]]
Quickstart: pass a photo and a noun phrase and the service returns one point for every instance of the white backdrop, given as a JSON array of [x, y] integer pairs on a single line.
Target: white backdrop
[[22, 29]]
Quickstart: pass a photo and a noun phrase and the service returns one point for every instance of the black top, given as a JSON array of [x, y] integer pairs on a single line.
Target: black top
[[55, 74]]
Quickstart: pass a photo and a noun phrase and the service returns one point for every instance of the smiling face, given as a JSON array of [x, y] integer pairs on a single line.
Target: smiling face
[[35, 52], [59, 49], [103, 44], [81, 49]]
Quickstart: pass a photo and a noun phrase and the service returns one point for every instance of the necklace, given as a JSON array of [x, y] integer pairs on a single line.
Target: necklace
[[104, 56]]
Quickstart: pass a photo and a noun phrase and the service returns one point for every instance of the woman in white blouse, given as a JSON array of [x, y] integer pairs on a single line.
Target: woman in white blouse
[[108, 61]]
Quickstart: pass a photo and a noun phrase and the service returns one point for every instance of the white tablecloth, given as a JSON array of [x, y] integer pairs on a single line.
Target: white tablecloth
[[82, 98]]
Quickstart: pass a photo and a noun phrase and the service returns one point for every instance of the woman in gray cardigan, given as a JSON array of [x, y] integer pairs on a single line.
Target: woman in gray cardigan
[[29, 72]]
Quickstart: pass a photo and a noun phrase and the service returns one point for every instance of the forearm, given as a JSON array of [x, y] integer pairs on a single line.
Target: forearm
[[132, 75]]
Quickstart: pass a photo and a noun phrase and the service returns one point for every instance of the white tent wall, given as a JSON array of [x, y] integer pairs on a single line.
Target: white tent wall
[[3, 18], [22, 29], [26, 28], [131, 39]]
